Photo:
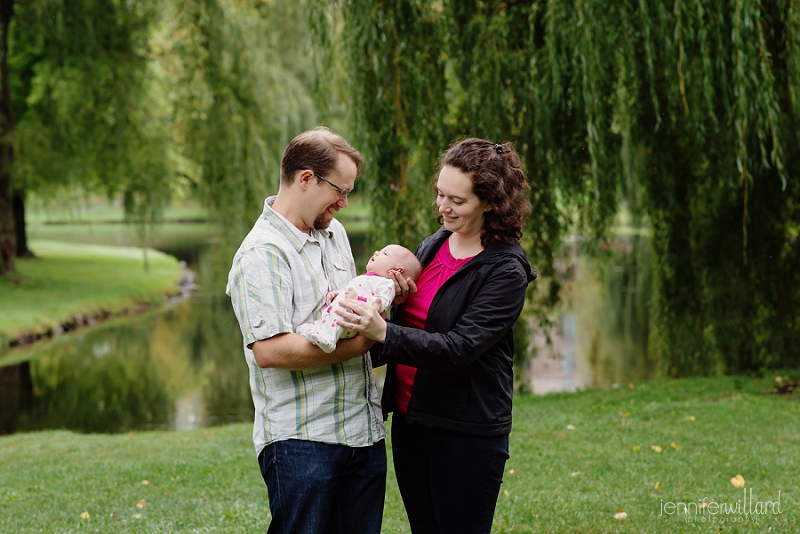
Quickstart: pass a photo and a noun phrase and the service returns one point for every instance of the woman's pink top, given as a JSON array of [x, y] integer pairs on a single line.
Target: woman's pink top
[[415, 311]]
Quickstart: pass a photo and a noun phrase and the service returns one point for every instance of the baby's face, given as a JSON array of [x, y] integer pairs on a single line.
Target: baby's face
[[386, 259]]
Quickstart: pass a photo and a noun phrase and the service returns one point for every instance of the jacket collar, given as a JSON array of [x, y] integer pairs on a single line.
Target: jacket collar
[[494, 252]]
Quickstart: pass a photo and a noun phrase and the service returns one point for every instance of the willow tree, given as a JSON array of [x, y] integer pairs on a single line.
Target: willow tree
[[240, 80], [396, 89], [86, 116], [149, 101], [688, 106]]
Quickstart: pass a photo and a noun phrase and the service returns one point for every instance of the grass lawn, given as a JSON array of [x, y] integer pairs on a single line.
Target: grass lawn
[[163, 235], [100, 210], [576, 461], [69, 280]]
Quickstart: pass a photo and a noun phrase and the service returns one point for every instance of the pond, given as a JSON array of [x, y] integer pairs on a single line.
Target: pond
[[181, 366]]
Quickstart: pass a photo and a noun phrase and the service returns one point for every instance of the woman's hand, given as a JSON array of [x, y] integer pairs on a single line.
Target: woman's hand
[[363, 318], [403, 287]]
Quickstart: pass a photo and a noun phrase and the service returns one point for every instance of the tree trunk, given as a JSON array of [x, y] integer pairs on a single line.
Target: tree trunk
[[18, 207], [7, 233]]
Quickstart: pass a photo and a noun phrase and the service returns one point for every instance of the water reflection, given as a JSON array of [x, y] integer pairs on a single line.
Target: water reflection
[[601, 330], [161, 370], [178, 367]]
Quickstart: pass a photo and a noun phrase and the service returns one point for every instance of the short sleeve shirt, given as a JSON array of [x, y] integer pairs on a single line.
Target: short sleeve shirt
[[278, 281]]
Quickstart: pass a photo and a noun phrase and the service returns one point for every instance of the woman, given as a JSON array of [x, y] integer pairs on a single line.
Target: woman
[[450, 345]]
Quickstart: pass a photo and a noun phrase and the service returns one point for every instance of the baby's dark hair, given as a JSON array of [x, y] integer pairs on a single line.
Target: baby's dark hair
[[497, 179], [412, 268]]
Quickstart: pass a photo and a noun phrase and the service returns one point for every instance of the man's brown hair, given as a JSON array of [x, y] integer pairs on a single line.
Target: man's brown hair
[[317, 149]]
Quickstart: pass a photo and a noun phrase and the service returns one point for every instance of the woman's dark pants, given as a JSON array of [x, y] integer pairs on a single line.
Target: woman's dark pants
[[449, 482]]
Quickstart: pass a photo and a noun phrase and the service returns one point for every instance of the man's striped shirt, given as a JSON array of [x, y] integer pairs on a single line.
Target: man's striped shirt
[[278, 281]]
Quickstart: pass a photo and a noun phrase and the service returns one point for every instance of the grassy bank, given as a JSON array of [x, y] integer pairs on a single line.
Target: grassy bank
[[577, 460], [69, 280]]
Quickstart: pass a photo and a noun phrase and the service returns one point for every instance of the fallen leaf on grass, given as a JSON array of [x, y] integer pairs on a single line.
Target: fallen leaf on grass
[[674, 445], [657, 485], [511, 472], [704, 506], [144, 482], [738, 481], [626, 414], [637, 447], [137, 516], [656, 448], [85, 515], [620, 515], [575, 473], [691, 418], [141, 504], [570, 427]]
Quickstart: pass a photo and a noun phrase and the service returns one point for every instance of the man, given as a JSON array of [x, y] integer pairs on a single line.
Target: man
[[318, 428]]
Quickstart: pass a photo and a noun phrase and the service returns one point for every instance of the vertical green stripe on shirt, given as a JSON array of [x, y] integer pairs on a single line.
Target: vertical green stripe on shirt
[[262, 384], [300, 403], [277, 295], [365, 366], [339, 397]]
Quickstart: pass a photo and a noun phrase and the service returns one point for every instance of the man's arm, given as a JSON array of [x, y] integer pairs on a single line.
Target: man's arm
[[294, 353]]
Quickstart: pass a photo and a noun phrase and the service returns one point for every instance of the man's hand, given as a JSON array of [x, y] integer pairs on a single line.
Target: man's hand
[[358, 345], [403, 287]]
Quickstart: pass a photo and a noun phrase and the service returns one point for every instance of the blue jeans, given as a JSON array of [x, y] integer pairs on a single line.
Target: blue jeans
[[449, 482], [320, 488]]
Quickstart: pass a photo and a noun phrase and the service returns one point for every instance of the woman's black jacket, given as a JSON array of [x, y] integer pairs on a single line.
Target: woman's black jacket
[[464, 356]]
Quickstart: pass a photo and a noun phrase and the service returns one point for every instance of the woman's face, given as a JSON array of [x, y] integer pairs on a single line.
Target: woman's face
[[461, 209]]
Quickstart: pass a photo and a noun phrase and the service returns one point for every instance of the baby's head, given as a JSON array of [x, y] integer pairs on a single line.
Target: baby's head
[[395, 258]]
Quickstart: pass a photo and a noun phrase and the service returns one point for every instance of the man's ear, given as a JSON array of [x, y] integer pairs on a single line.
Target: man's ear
[[304, 179]]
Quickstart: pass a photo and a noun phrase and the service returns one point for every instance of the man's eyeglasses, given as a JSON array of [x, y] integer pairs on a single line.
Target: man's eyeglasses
[[342, 192]]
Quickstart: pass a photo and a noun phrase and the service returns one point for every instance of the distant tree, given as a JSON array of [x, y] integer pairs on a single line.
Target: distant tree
[[240, 82], [686, 111], [149, 100], [395, 90], [83, 106]]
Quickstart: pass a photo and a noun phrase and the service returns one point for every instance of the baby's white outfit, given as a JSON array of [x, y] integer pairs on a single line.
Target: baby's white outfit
[[325, 331]]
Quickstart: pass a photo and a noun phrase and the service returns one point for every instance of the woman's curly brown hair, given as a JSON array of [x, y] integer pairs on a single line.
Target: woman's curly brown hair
[[497, 179]]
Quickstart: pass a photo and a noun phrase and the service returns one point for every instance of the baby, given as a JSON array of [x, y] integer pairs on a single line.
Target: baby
[[375, 287]]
